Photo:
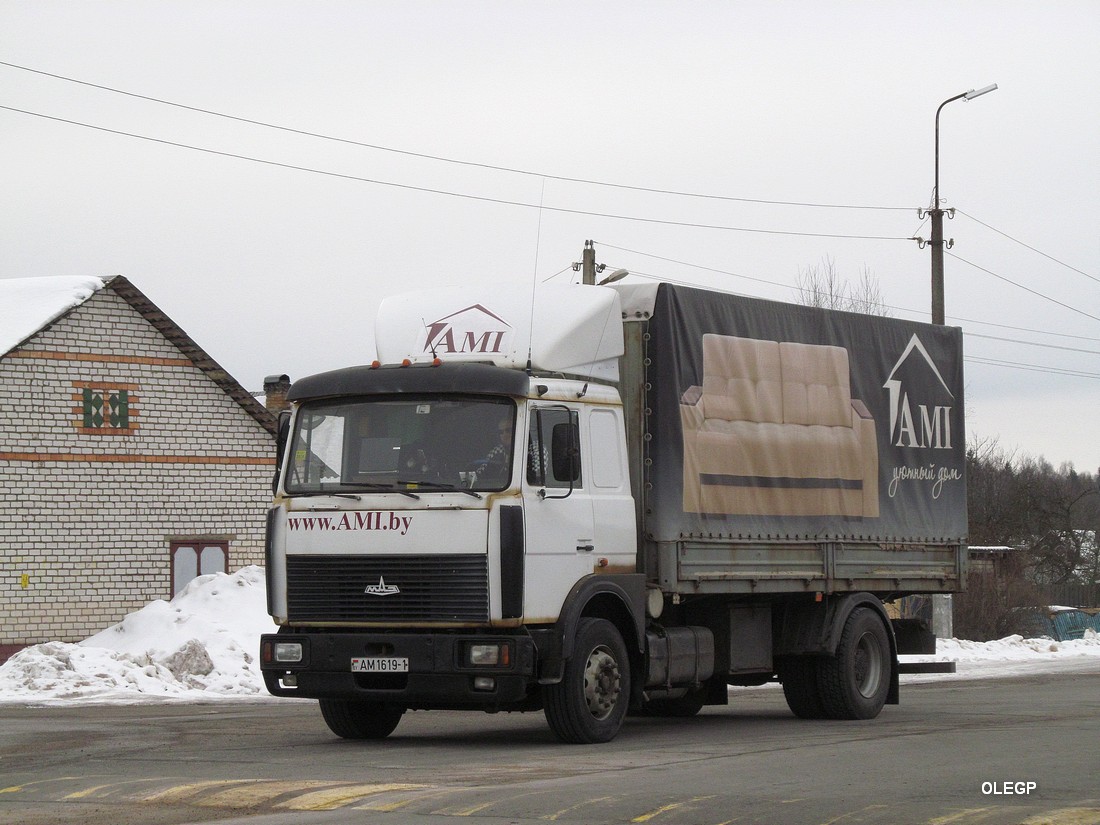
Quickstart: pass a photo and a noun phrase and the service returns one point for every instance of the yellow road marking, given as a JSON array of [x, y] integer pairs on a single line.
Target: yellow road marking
[[475, 809], [338, 797], [401, 803], [666, 808], [1066, 816], [853, 813], [181, 793], [112, 787], [25, 785], [248, 796], [564, 811], [965, 815]]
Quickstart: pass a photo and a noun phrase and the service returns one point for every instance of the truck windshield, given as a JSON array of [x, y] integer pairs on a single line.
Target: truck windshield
[[423, 443]]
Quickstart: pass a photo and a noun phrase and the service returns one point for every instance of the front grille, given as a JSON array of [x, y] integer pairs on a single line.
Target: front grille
[[428, 588]]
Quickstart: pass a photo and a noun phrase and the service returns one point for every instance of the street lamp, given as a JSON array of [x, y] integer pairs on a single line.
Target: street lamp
[[937, 214]]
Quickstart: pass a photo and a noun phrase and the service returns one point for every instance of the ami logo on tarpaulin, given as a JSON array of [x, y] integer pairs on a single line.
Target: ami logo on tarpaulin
[[920, 401], [471, 330]]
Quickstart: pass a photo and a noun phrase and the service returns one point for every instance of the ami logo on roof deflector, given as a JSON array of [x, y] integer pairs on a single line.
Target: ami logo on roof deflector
[[474, 329]]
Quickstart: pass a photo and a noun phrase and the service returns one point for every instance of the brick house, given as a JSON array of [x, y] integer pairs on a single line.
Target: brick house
[[130, 462]]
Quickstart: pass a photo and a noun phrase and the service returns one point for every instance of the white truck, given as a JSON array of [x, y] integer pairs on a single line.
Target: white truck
[[600, 500]]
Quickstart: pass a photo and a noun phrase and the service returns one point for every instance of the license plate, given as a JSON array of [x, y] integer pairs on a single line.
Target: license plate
[[380, 664]]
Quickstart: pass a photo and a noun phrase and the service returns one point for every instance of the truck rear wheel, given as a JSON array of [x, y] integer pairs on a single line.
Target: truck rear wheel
[[589, 703], [360, 720], [799, 677], [855, 681]]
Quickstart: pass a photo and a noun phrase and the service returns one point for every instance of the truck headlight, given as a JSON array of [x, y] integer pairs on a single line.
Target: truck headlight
[[488, 655], [288, 652]]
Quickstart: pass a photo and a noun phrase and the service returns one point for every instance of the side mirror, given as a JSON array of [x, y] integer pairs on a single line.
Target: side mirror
[[282, 435], [565, 452]]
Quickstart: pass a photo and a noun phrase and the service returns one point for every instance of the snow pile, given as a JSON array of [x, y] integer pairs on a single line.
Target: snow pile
[[1017, 648], [203, 644], [28, 304]]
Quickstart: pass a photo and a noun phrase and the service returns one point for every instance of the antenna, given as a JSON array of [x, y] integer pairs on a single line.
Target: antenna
[[534, 281]]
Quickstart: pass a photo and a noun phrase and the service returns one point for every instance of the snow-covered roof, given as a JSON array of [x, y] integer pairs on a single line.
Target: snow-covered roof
[[29, 304]]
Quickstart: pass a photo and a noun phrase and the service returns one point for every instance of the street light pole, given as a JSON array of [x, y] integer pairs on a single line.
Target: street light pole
[[936, 214]]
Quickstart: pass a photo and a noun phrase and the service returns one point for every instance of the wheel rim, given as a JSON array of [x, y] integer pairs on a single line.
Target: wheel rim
[[868, 665], [602, 683]]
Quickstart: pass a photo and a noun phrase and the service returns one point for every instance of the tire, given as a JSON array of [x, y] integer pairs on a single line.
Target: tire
[[360, 720], [589, 703], [855, 681], [800, 688]]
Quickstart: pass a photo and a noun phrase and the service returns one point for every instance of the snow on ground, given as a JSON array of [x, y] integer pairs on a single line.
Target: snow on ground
[[203, 646]]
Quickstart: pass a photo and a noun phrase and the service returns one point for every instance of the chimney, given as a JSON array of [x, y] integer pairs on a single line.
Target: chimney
[[275, 389]]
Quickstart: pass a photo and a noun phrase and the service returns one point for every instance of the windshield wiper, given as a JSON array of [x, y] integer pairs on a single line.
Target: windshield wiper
[[333, 493], [359, 485], [441, 485]]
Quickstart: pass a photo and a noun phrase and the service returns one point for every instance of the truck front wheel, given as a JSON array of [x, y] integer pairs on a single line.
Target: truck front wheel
[[589, 703], [855, 681], [360, 720]]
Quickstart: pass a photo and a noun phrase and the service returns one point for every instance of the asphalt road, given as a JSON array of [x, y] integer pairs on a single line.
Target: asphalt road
[[993, 752]]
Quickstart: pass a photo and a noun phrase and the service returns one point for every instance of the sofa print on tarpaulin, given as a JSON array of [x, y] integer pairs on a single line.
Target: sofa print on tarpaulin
[[774, 431]]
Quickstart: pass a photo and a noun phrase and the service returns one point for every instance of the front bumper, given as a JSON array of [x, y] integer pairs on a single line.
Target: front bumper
[[439, 676]]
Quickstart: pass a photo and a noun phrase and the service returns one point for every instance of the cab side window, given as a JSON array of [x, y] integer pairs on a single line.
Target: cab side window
[[553, 449]]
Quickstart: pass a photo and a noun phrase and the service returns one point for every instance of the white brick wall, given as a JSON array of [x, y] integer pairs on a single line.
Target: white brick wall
[[90, 525]]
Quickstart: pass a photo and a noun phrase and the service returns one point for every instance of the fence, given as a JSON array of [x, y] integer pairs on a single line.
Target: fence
[[1072, 595]]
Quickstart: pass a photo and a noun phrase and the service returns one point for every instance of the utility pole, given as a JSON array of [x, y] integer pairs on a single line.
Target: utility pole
[[589, 269], [936, 242], [588, 264], [936, 214]]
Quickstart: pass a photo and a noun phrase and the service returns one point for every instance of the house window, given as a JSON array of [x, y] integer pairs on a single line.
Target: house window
[[106, 408], [191, 559]]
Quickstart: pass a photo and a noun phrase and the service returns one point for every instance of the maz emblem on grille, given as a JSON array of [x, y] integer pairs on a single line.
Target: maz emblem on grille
[[381, 589]]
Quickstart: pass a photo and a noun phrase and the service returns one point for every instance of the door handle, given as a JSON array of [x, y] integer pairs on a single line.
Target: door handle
[[586, 548]]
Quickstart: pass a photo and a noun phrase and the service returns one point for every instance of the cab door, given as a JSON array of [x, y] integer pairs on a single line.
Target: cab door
[[559, 517]]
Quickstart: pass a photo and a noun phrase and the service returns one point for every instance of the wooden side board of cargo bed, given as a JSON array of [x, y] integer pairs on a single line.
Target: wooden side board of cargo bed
[[721, 566]]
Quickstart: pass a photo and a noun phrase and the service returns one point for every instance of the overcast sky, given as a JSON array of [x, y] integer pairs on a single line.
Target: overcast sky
[[274, 269]]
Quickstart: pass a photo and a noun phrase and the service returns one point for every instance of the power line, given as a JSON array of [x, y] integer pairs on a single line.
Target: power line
[[1031, 343], [1028, 246], [1024, 329], [994, 362], [1025, 288], [464, 195], [694, 266], [973, 359], [887, 306], [513, 170], [442, 159]]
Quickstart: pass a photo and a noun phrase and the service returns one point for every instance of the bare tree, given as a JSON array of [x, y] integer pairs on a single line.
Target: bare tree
[[1051, 519], [822, 286]]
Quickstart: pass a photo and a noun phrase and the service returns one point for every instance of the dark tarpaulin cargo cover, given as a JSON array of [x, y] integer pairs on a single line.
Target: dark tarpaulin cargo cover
[[772, 420]]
